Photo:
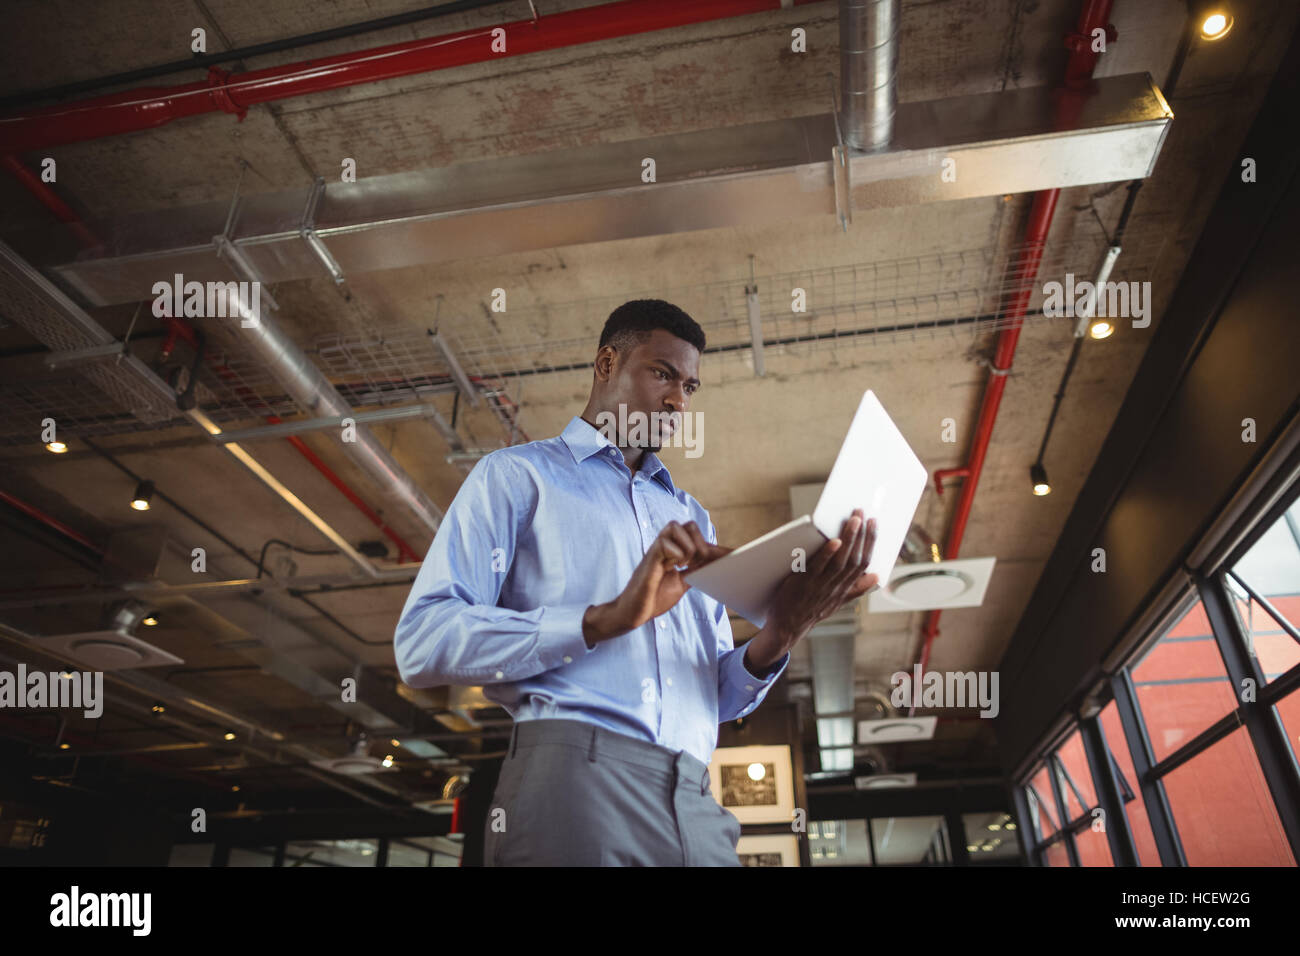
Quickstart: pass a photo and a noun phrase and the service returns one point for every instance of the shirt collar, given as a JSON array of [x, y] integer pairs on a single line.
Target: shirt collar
[[584, 440]]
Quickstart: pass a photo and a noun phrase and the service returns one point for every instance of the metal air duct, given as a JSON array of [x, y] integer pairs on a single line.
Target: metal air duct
[[868, 71]]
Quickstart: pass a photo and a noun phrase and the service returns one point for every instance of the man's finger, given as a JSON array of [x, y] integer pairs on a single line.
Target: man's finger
[[681, 539], [841, 557], [823, 556], [868, 544]]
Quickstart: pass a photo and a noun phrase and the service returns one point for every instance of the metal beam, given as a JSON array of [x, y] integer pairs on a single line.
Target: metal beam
[[316, 424]]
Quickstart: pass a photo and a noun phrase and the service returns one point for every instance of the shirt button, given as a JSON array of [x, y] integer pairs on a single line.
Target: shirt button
[[500, 674], [568, 659], [749, 687], [645, 524], [670, 682]]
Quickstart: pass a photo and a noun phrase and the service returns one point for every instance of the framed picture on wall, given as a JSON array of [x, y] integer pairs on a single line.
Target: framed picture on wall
[[754, 783], [768, 850]]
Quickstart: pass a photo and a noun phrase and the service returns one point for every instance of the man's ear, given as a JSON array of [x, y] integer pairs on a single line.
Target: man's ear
[[606, 358]]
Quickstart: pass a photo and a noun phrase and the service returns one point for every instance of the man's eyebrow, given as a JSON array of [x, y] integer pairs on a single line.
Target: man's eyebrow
[[669, 366]]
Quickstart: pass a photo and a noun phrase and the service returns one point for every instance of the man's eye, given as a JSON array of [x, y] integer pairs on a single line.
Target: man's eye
[[661, 373]]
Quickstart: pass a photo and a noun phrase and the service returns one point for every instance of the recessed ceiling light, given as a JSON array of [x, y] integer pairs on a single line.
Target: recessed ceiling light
[[57, 447], [1100, 329], [1216, 25]]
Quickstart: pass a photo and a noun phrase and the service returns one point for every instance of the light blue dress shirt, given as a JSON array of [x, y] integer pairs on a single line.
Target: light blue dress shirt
[[536, 534]]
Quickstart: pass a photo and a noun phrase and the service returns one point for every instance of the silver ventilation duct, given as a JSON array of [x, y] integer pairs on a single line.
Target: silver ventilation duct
[[291, 367], [868, 72], [748, 176]]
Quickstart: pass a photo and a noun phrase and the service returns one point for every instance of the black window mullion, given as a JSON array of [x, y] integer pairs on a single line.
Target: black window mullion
[[1053, 774], [1119, 834], [1276, 760], [1024, 826], [1153, 793]]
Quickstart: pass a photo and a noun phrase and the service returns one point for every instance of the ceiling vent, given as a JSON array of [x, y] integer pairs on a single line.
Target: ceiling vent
[[934, 585], [896, 730], [114, 648], [885, 781]]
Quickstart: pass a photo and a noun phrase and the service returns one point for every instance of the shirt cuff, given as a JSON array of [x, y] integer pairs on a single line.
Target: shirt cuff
[[559, 635], [744, 677]]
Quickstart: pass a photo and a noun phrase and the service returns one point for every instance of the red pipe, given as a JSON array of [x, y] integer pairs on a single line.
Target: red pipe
[[52, 522], [1070, 98], [149, 107], [50, 200]]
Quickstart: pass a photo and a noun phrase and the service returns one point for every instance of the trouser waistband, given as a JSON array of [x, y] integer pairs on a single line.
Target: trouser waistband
[[600, 741]]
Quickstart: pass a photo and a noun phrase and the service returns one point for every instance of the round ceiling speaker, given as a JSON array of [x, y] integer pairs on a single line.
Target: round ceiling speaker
[[106, 655], [928, 588]]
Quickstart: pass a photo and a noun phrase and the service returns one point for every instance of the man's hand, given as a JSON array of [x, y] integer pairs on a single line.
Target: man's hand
[[656, 584], [836, 575]]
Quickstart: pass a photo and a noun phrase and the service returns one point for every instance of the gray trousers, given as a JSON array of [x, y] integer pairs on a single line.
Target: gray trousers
[[574, 794]]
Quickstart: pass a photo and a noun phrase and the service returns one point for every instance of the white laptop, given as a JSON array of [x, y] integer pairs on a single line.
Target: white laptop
[[875, 470]]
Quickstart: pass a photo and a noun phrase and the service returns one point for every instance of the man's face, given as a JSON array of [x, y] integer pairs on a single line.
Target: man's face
[[657, 376]]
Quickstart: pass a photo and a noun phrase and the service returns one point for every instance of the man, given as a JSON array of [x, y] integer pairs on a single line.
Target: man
[[556, 582]]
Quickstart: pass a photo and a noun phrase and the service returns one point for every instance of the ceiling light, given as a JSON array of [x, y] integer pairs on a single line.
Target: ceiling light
[[150, 621], [395, 742], [1100, 329], [1216, 25], [1010, 826], [57, 447], [66, 675], [971, 847], [158, 708], [757, 771], [63, 746], [234, 788], [388, 760], [1038, 475], [230, 735], [143, 493]]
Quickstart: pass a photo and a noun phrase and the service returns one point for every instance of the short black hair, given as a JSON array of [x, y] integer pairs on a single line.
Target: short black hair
[[632, 322]]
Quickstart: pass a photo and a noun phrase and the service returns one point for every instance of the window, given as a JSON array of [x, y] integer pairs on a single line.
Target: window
[[1288, 711], [1223, 810], [1129, 792], [1042, 805], [1182, 686], [1265, 590], [1093, 847]]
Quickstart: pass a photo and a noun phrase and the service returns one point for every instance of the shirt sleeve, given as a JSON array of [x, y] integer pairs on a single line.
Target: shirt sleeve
[[739, 691], [451, 630]]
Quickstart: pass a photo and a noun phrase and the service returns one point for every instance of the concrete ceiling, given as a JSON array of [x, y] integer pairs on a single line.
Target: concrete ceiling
[[913, 264]]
